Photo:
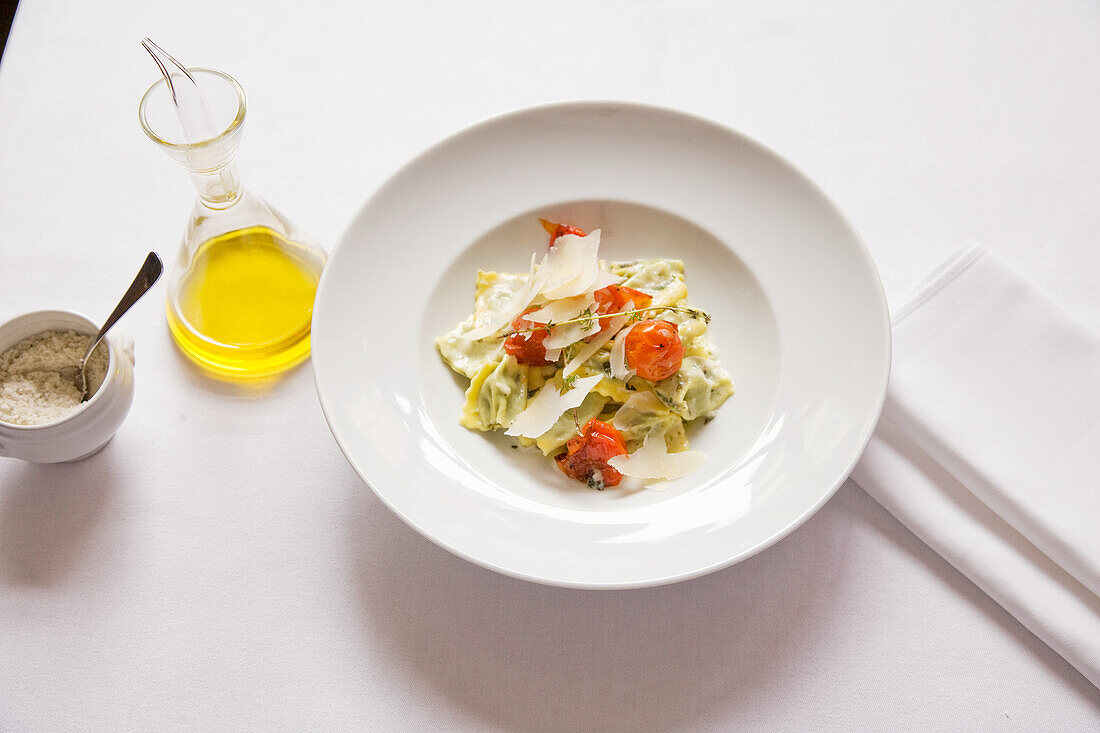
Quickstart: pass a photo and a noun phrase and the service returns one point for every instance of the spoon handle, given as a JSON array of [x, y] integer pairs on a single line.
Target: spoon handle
[[147, 275]]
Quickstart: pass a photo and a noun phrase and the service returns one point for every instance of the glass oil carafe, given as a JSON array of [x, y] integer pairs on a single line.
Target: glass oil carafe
[[241, 289]]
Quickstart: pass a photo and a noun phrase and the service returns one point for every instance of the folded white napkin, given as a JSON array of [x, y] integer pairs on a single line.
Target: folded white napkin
[[989, 446]]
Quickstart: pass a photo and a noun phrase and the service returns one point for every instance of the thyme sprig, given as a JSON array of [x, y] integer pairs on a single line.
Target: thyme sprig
[[567, 383], [588, 318]]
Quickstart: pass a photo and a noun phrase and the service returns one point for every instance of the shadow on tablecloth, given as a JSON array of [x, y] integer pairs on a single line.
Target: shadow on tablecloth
[[528, 657], [704, 653], [48, 516]]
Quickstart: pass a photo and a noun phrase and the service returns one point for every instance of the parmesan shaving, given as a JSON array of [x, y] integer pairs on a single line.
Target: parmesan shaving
[[653, 461], [518, 303], [562, 309], [548, 405], [570, 333], [595, 344], [571, 266], [604, 279], [619, 369]]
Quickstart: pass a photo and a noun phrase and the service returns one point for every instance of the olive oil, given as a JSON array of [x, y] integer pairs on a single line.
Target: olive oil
[[244, 304]]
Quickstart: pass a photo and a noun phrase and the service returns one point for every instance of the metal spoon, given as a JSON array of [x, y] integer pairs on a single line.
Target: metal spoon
[[146, 276]]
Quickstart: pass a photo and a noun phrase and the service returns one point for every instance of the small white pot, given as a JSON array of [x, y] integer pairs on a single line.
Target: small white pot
[[89, 428]]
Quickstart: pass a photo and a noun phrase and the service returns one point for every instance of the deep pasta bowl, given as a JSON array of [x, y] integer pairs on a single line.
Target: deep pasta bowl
[[798, 314]]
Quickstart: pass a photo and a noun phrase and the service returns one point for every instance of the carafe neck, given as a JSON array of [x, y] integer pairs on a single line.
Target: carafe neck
[[219, 188]]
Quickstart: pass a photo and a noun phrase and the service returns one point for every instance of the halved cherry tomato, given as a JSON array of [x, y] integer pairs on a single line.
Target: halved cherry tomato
[[556, 230], [527, 347], [654, 350], [587, 453], [611, 299]]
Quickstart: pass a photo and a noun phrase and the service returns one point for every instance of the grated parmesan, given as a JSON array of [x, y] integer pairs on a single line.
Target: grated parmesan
[[32, 391]]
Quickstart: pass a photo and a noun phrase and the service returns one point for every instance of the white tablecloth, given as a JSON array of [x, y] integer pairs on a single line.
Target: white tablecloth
[[220, 567]]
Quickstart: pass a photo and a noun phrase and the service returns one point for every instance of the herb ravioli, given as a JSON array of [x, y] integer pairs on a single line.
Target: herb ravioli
[[598, 363]]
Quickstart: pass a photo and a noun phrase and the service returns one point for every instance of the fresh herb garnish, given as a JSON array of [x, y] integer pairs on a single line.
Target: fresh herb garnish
[[587, 320], [588, 317]]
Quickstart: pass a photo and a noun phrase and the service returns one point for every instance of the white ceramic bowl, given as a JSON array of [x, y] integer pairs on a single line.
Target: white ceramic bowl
[[85, 431], [799, 316]]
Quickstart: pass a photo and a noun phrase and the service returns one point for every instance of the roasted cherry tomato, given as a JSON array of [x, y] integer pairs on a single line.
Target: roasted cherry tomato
[[654, 350], [527, 347], [614, 297], [586, 455], [611, 299], [556, 230]]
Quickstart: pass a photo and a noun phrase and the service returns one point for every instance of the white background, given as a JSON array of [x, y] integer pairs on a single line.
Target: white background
[[220, 567]]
